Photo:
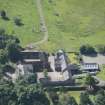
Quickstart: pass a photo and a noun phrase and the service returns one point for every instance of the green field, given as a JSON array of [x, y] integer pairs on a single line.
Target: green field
[[72, 23], [25, 10]]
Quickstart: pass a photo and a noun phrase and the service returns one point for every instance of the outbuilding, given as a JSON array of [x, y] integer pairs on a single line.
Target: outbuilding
[[90, 67]]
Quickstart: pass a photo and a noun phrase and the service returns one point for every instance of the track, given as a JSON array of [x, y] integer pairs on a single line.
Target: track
[[43, 26]]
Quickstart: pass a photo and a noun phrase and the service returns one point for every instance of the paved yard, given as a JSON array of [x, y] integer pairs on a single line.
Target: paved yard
[[54, 76], [100, 59]]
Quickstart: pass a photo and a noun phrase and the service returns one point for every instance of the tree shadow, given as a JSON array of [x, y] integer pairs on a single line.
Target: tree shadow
[[91, 55], [6, 18]]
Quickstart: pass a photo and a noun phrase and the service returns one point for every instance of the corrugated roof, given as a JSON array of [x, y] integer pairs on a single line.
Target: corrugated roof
[[87, 66]]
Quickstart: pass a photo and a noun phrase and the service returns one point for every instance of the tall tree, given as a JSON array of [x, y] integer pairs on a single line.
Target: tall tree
[[87, 50], [66, 99], [100, 98], [3, 56], [90, 81], [85, 100], [29, 95], [13, 51]]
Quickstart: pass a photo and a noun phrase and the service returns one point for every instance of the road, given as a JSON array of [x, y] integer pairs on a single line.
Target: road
[[43, 27]]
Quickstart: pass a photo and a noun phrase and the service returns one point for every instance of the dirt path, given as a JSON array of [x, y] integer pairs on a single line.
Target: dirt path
[[43, 26]]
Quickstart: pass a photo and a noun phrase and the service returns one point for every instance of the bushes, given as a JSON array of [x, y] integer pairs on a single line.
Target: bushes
[[4, 15], [87, 50], [18, 21]]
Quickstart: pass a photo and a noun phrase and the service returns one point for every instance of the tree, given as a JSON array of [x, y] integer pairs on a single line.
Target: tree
[[100, 98], [54, 97], [87, 50], [18, 21], [3, 14], [84, 99], [28, 79], [3, 56], [29, 95], [66, 99], [7, 94], [32, 78], [45, 73], [90, 81], [13, 50]]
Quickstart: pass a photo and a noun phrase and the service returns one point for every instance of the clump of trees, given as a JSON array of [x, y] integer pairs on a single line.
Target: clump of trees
[[85, 100], [66, 99], [87, 50], [9, 48], [90, 82], [22, 94], [3, 56], [100, 98]]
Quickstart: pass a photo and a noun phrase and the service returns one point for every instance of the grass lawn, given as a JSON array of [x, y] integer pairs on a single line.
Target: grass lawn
[[25, 10], [101, 74], [72, 23]]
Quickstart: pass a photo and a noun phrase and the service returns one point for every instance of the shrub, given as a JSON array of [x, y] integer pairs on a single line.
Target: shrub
[[3, 14], [18, 21], [87, 50]]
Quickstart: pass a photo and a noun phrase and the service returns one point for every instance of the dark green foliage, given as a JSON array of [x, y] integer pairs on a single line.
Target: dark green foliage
[[28, 79], [3, 56], [29, 95], [100, 98], [5, 39], [7, 94], [85, 100], [13, 51], [22, 94], [90, 81], [87, 50], [32, 78], [54, 97], [45, 73], [66, 99], [18, 21]]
